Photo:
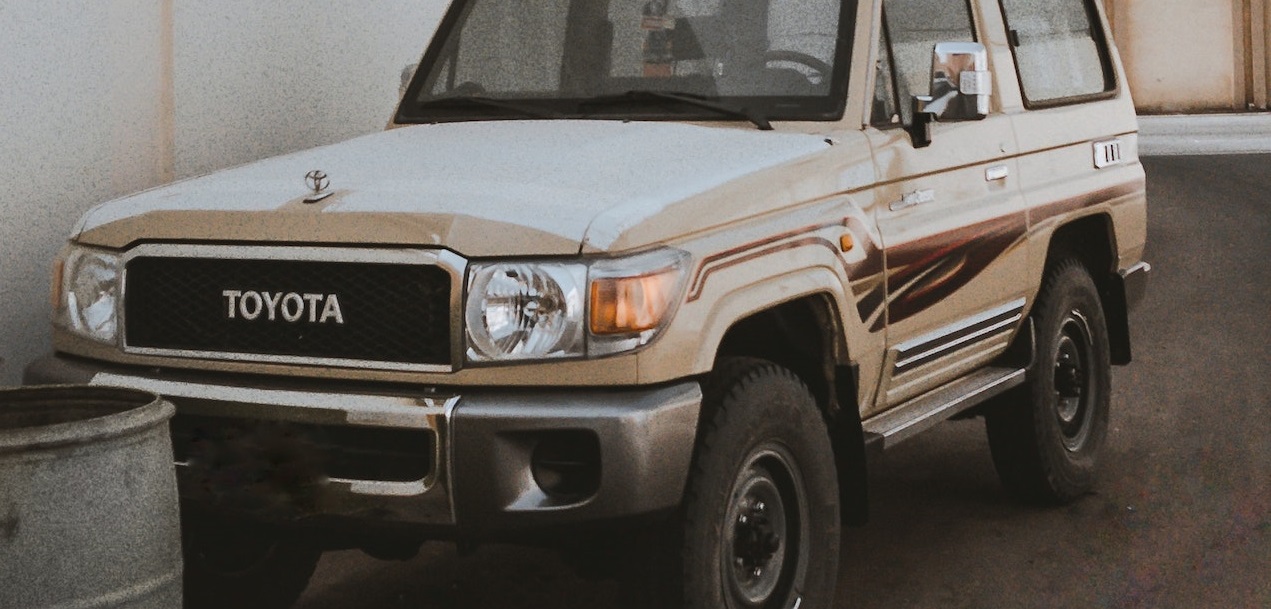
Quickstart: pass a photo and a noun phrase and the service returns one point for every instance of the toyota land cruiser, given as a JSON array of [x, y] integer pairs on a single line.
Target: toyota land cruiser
[[667, 271]]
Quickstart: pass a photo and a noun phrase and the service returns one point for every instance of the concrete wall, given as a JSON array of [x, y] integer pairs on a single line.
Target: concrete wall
[[255, 79], [108, 97], [84, 116], [1195, 55]]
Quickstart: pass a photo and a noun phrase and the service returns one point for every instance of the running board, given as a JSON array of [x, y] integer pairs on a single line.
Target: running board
[[921, 413]]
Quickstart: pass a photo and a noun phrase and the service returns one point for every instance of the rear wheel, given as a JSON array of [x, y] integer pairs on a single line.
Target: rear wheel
[[1046, 436]]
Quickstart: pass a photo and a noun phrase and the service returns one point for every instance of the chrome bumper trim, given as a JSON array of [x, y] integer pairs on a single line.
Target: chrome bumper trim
[[428, 500], [481, 482]]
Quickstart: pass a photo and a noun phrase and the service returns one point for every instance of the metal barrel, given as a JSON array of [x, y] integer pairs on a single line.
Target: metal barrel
[[88, 500]]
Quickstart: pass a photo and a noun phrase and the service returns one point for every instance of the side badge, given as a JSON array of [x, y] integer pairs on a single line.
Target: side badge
[[318, 182], [1108, 153]]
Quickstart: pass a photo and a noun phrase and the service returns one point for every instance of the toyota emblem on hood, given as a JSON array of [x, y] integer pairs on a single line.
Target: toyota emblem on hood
[[318, 181]]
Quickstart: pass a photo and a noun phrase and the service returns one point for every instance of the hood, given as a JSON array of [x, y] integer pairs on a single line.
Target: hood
[[478, 188]]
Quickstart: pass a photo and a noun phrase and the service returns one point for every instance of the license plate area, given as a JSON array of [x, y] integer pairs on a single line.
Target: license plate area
[[277, 470]]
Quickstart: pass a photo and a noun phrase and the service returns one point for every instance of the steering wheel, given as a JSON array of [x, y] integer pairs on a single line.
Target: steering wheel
[[821, 68]]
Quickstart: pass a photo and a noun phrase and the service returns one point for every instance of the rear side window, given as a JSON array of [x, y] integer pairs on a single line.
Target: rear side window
[[1059, 50]]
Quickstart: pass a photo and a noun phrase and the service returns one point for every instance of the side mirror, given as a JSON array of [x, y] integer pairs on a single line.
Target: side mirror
[[961, 87]]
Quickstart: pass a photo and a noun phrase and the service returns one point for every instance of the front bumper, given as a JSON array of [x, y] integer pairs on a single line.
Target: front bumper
[[482, 442]]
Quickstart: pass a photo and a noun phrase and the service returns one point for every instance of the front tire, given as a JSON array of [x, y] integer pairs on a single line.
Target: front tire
[[1046, 436], [761, 515]]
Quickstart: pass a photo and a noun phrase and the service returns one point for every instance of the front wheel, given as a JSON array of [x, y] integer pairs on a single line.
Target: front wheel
[[761, 521], [1045, 437]]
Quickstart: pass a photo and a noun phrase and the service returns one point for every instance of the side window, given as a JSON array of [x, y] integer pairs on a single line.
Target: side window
[[911, 28], [1059, 49]]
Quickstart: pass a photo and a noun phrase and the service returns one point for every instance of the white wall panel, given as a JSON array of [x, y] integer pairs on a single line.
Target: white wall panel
[[255, 79], [104, 98], [82, 120]]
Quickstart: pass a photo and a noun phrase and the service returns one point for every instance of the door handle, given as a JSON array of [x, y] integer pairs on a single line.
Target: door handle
[[913, 199]]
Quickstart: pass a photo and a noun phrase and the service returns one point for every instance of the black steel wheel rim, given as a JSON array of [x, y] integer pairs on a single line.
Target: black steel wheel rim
[[1074, 386], [765, 536]]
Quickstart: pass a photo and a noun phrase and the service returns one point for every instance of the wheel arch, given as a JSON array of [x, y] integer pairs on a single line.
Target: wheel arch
[[806, 335], [1092, 240]]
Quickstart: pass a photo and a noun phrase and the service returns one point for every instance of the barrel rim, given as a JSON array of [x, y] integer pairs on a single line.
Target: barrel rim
[[150, 410]]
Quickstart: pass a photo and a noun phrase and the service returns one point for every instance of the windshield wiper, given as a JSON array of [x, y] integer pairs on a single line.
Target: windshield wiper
[[489, 102], [758, 119]]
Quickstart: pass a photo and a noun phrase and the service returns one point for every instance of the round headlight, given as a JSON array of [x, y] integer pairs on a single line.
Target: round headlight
[[526, 311], [91, 292]]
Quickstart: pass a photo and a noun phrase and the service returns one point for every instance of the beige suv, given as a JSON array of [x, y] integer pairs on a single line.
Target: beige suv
[[664, 271]]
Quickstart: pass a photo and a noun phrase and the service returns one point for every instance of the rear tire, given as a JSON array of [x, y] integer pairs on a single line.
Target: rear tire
[[1046, 436]]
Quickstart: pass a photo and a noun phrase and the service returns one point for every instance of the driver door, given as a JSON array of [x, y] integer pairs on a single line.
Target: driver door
[[950, 215]]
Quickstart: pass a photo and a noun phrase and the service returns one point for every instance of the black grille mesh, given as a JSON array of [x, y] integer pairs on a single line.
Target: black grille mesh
[[392, 312]]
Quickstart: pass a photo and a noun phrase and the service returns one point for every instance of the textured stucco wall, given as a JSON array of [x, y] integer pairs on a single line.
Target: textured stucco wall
[[108, 97], [82, 119], [255, 79]]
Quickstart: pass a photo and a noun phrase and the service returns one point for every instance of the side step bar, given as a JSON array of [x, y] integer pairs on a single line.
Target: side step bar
[[885, 430]]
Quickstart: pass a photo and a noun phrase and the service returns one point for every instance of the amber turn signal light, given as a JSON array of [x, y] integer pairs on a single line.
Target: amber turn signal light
[[626, 305], [846, 243]]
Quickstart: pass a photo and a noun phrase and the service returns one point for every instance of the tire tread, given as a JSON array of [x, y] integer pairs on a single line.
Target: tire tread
[[1017, 431]]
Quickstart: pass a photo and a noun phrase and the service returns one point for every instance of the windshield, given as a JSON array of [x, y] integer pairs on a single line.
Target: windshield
[[642, 59]]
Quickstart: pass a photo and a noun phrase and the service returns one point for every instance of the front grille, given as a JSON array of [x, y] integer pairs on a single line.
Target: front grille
[[397, 313]]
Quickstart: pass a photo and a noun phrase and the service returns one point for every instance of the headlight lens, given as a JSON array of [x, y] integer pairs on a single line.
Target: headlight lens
[[89, 281], [523, 310], [529, 310]]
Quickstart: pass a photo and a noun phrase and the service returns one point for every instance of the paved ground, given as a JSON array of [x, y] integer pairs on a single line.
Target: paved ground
[[1182, 516]]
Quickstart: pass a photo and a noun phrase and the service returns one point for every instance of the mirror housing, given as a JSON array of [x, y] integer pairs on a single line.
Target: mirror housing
[[961, 88]]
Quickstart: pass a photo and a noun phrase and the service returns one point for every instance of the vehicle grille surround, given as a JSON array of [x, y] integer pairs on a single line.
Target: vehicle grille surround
[[392, 313]]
